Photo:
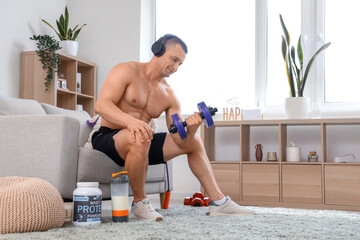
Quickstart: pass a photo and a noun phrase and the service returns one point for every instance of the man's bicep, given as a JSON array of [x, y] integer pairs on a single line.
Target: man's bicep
[[173, 109]]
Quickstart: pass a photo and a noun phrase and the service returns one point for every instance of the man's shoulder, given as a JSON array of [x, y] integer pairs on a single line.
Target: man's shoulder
[[128, 66], [127, 71]]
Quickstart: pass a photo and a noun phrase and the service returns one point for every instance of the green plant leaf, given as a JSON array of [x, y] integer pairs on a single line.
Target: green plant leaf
[[47, 47], [75, 28], [283, 47], [77, 32], [293, 58], [59, 35], [289, 75], [70, 34], [295, 67], [310, 63], [66, 23], [300, 53], [286, 33], [61, 30], [291, 78], [62, 21]]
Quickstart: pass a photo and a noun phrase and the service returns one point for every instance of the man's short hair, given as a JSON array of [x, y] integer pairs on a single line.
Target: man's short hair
[[159, 47], [170, 39]]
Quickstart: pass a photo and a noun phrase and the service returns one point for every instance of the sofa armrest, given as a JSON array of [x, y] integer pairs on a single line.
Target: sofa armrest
[[42, 146]]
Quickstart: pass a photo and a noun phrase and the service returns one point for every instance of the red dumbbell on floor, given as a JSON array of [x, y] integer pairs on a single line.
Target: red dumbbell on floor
[[197, 200]]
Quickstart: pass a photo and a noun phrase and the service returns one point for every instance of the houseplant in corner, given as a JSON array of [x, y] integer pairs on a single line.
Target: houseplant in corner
[[297, 106], [66, 35], [46, 50]]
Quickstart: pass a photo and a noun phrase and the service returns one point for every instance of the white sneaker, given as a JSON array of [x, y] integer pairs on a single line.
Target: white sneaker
[[144, 210], [229, 208]]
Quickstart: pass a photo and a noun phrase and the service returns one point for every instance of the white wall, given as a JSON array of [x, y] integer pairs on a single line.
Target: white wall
[[21, 19], [112, 34]]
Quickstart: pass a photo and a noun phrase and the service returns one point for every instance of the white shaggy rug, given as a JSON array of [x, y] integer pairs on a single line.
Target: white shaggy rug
[[185, 222]]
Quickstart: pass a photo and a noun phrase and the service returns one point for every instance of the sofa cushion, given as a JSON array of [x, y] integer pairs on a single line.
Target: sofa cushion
[[82, 116], [14, 106]]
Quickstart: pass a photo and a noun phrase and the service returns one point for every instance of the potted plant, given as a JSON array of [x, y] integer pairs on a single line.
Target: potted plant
[[297, 106], [66, 35], [47, 47]]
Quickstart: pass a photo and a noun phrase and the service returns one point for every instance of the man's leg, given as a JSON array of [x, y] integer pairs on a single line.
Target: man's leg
[[136, 163], [198, 162], [200, 166]]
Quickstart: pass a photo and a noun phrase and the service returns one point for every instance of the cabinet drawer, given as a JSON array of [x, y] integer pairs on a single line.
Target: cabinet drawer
[[260, 182], [342, 185], [228, 178], [301, 184]]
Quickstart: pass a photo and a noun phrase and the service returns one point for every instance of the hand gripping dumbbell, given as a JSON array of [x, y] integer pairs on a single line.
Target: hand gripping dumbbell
[[206, 114]]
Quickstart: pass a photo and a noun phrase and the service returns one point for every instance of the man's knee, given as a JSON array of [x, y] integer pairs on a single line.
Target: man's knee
[[125, 144], [196, 144], [139, 147]]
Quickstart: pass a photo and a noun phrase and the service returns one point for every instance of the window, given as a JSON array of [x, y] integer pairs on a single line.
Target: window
[[220, 35], [277, 83], [342, 81], [235, 51]]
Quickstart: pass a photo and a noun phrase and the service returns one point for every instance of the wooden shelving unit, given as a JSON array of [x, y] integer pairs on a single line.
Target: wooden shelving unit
[[33, 78], [313, 185]]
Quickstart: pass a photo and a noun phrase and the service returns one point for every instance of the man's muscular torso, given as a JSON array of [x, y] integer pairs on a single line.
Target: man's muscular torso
[[142, 98]]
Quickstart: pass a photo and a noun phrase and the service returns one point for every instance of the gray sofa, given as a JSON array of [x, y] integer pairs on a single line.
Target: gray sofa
[[40, 140]]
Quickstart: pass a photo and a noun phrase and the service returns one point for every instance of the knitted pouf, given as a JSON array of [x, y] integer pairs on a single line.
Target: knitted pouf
[[29, 204]]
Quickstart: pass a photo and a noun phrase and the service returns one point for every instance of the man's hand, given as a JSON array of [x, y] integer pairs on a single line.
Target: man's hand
[[193, 122], [141, 130]]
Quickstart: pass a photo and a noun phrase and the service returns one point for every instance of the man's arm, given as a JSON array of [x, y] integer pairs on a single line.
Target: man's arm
[[193, 122], [111, 92]]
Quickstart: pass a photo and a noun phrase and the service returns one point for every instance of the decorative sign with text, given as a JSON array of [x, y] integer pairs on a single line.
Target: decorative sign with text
[[232, 114]]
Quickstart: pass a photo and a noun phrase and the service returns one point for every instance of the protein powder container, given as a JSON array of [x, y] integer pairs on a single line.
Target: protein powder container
[[87, 204]]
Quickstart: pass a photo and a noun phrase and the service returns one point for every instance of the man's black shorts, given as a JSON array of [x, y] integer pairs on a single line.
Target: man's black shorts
[[103, 141]]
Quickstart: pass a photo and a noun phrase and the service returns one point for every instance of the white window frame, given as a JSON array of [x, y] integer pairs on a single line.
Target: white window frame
[[313, 34], [341, 108], [312, 31]]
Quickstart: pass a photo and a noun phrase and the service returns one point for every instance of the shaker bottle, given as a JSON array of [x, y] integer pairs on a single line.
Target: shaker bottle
[[119, 184]]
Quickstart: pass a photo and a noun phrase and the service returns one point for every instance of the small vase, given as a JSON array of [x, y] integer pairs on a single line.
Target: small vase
[[258, 152], [297, 107]]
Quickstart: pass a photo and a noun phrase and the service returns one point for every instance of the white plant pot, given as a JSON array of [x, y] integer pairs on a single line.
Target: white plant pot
[[297, 107], [69, 47]]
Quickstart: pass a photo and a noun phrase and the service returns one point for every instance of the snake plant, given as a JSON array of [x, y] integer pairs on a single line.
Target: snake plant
[[65, 33], [293, 71]]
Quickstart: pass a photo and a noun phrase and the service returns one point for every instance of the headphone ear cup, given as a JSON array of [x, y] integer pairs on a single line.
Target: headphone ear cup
[[158, 48], [161, 50]]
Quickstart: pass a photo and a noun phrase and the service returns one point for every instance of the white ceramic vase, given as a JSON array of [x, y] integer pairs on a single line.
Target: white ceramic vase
[[297, 107], [69, 47]]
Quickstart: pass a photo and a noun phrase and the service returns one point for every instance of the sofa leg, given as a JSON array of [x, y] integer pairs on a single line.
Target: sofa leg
[[162, 200], [165, 199]]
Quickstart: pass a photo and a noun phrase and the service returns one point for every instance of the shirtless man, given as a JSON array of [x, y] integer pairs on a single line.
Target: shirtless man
[[131, 96]]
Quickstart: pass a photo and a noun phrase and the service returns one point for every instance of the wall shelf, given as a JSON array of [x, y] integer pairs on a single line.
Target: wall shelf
[[33, 78]]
